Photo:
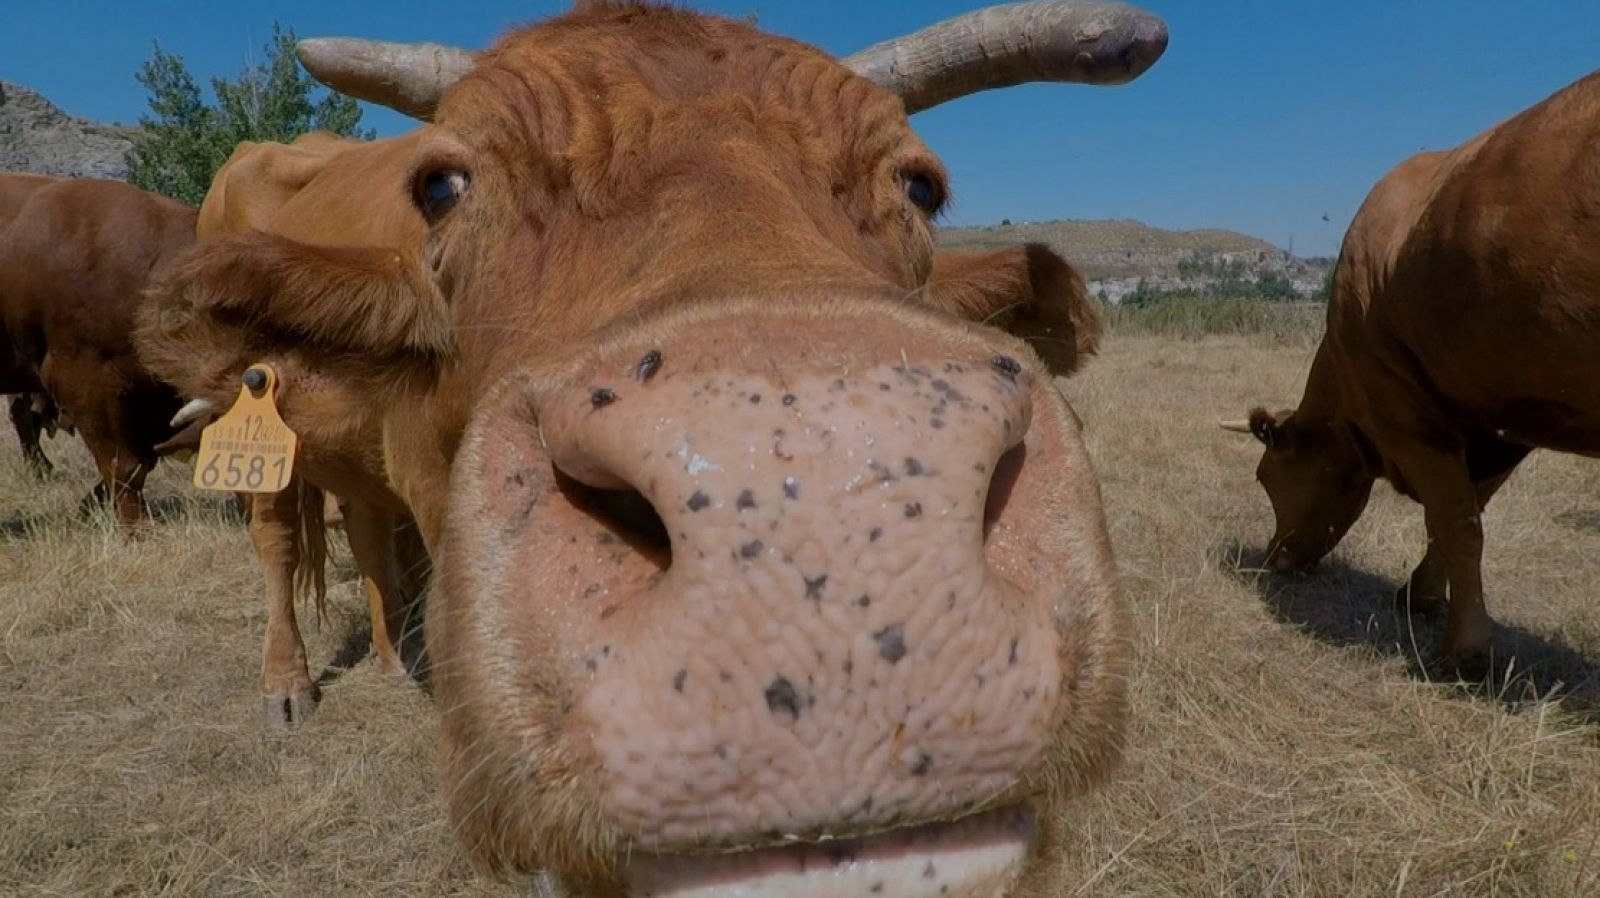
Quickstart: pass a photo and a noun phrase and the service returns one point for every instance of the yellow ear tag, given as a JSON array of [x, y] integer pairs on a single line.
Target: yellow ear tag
[[249, 449]]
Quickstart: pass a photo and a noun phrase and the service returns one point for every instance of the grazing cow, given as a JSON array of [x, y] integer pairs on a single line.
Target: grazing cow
[[32, 413], [759, 560], [1463, 332], [73, 260], [317, 191]]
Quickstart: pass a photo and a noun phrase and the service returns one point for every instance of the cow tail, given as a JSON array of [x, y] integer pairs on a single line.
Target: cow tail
[[310, 577]]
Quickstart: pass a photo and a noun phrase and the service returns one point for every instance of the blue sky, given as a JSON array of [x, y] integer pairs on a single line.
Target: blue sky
[[1263, 116]]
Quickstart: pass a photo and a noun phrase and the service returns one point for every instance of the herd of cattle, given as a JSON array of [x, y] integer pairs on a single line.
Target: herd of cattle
[[758, 541]]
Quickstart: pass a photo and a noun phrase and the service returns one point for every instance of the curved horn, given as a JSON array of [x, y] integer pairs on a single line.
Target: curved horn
[[1240, 426], [1083, 41], [407, 78], [1066, 40], [192, 411]]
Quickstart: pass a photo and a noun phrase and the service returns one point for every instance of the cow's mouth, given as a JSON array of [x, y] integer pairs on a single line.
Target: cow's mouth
[[978, 856], [1288, 560]]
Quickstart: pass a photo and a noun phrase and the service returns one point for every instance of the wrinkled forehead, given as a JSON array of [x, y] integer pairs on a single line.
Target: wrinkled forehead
[[613, 76]]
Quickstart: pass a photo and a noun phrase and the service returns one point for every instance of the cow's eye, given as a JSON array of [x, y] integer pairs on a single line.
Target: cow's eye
[[924, 193], [437, 192]]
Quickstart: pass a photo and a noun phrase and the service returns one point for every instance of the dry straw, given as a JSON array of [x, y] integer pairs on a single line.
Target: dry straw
[[1284, 743]]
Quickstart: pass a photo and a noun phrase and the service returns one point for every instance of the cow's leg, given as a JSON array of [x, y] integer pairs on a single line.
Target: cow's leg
[[384, 645], [372, 542], [288, 694], [122, 476], [1490, 467], [27, 421], [1424, 591], [1455, 534], [92, 396], [415, 568], [122, 471]]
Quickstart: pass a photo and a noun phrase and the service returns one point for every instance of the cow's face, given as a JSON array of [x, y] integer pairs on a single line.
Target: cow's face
[[1317, 484], [575, 178], [632, 164], [760, 562]]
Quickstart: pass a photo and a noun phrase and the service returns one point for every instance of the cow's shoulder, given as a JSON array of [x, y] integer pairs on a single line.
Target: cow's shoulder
[[1385, 220]]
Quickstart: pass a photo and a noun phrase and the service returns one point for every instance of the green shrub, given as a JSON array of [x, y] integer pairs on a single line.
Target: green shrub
[[185, 139], [1191, 318]]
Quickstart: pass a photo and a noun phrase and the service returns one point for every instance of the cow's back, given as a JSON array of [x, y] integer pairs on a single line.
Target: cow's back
[[1491, 305], [259, 179], [15, 189], [77, 255]]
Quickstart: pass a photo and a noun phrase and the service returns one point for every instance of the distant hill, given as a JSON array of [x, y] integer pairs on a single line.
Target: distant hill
[[35, 136], [1110, 248], [1115, 255]]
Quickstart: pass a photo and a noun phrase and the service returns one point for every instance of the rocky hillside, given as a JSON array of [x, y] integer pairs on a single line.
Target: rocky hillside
[[1116, 256], [35, 136]]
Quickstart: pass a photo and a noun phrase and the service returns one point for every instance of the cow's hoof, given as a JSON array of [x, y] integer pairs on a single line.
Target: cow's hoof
[[93, 501], [282, 710], [390, 665], [416, 662], [1471, 665], [1419, 603]]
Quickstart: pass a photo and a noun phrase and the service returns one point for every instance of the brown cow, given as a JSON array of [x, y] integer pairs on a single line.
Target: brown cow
[[316, 191], [75, 256], [32, 413], [1464, 332], [757, 562]]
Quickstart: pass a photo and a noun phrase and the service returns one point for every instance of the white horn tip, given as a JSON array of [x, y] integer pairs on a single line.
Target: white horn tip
[[191, 411], [1240, 426]]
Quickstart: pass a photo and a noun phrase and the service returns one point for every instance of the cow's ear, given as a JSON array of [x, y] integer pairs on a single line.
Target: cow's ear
[[360, 299], [1272, 428], [358, 321], [1027, 290]]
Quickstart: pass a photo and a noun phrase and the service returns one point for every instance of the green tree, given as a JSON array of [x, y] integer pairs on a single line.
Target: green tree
[[1144, 294], [185, 140]]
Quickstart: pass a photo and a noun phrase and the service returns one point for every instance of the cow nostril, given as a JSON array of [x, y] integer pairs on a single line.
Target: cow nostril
[[625, 513], [1001, 482]]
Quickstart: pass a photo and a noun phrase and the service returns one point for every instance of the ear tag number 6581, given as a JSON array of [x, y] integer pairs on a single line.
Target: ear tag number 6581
[[249, 449]]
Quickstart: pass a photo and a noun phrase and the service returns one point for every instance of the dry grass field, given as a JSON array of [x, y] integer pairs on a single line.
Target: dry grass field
[[1285, 740]]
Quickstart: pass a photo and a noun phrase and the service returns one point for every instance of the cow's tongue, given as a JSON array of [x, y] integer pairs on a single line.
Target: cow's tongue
[[973, 858]]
